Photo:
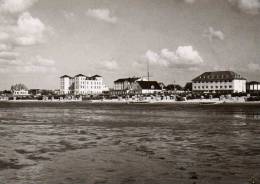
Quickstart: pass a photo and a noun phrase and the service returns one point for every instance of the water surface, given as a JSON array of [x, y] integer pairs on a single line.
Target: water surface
[[65, 143]]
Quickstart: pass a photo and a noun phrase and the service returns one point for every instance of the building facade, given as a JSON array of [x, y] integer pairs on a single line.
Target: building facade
[[81, 85], [219, 82], [19, 90], [124, 86], [253, 87], [146, 87]]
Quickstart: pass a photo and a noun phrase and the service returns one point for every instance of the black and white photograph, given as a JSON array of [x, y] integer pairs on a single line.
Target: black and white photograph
[[129, 91]]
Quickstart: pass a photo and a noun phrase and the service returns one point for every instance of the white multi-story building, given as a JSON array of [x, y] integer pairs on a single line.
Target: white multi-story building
[[66, 84], [81, 84], [219, 82]]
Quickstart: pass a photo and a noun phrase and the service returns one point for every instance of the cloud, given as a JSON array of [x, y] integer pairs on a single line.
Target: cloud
[[248, 6], [4, 36], [34, 69], [21, 30], [110, 65], [6, 55], [189, 1], [29, 30], [255, 67], [184, 57], [15, 6], [68, 14], [44, 61], [36, 64], [102, 14], [5, 47], [211, 33]]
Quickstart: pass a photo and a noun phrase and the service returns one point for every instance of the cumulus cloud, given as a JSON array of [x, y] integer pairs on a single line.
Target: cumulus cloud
[[211, 33], [110, 65], [102, 14], [29, 30], [20, 29], [183, 57], [15, 6], [247, 6]]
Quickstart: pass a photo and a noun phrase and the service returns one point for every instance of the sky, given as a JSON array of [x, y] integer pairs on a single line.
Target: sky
[[40, 40]]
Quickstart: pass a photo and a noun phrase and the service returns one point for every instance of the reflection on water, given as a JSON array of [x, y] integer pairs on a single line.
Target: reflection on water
[[127, 143]]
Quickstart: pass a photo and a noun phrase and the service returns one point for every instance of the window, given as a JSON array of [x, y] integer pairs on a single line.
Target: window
[[216, 86], [230, 86]]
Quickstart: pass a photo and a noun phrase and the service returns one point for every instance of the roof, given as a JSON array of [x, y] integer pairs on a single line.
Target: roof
[[217, 75], [80, 75], [253, 82], [65, 76], [149, 85], [96, 76], [132, 79]]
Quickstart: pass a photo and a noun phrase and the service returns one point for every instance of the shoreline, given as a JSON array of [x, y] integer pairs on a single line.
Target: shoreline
[[196, 101]]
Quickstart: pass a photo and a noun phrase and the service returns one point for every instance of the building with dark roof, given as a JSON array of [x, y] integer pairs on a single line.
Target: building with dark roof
[[124, 86], [219, 82], [253, 86], [125, 80], [146, 87]]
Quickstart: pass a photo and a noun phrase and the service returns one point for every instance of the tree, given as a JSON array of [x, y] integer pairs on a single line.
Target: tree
[[18, 87]]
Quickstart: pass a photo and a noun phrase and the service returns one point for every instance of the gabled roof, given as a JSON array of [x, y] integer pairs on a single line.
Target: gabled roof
[[217, 75], [149, 85], [96, 76], [80, 75], [130, 79], [65, 76]]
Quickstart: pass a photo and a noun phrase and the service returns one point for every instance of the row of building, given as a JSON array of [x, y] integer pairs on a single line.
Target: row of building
[[225, 82]]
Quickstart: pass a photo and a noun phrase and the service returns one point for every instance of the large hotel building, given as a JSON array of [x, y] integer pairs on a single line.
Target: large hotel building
[[219, 82], [81, 84]]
